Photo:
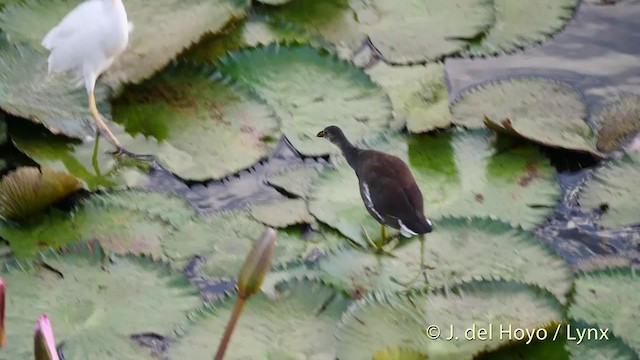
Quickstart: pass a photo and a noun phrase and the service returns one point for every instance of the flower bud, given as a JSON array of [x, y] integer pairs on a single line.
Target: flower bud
[[44, 344], [257, 264]]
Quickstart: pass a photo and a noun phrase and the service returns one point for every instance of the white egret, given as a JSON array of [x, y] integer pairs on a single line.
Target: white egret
[[86, 42]]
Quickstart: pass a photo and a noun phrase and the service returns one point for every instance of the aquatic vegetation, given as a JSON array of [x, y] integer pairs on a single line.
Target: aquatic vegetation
[[129, 269]]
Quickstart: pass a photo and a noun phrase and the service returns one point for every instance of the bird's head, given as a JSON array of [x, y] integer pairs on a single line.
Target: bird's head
[[332, 133]]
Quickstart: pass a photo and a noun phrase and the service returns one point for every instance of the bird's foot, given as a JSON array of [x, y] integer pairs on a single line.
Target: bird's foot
[[121, 153]]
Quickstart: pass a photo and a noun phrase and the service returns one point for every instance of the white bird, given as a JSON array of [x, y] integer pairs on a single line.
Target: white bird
[[86, 42]]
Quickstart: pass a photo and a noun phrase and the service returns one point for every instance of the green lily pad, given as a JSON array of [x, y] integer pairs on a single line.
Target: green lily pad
[[274, 2], [540, 110], [418, 93], [310, 90], [223, 241], [614, 186], [253, 31], [27, 91], [592, 347], [90, 161], [460, 174], [297, 182], [299, 323], [608, 299], [282, 213], [522, 23], [617, 122], [547, 349], [118, 228], [29, 190], [205, 129], [398, 354], [93, 311], [460, 250], [404, 32], [391, 321], [161, 31]]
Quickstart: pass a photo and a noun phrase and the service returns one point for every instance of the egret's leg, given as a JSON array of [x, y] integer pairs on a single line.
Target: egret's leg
[[100, 122]]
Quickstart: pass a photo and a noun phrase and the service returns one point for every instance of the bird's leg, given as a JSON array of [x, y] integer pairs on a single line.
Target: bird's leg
[[366, 235], [100, 122], [422, 265], [383, 234]]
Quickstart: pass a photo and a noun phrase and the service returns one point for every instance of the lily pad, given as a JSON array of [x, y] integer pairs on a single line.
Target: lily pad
[[223, 241], [119, 229], [615, 186], [274, 2], [91, 161], [93, 311], [592, 347], [404, 32], [398, 354], [253, 31], [282, 213], [460, 174], [299, 323], [297, 182], [391, 321], [522, 23], [544, 111], [418, 93], [161, 31], [617, 122], [310, 90], [608, 299], [29, 190], [205, 128], [53, 101], [460, 250]]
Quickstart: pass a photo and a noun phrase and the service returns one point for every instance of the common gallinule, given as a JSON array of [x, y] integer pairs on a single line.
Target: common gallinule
[[387, 187]]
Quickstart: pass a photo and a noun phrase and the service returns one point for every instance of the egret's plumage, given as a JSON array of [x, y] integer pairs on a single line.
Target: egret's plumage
[[86, 42]]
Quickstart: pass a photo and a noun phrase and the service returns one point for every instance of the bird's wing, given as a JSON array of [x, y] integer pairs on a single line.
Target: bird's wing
[[80, 18]]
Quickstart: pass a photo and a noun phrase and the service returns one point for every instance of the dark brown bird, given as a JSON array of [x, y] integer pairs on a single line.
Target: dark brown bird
[[387, 187]]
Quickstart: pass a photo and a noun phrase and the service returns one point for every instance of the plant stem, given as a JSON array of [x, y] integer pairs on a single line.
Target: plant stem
[[237, 309]]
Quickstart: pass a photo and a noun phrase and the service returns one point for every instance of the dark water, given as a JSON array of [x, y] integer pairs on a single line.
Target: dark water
[[599, 54]]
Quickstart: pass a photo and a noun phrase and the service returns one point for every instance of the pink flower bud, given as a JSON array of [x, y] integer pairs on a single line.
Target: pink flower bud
[[44, 344]]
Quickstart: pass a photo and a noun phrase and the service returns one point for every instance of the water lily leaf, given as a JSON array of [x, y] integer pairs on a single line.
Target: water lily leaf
[[223, 241], [205, 128], [617, 122], [253, 31], [609, 299], [398, 354], [540, 110], [282, 213], [522, 23], [94, 312], [392, 321], [120, 229], [417, 92], [278, 328], [296, 181], [547, 349], [592, 347], [404, 32], [160, 32], [29, 190], [91, 161], [310, 90], [460, 174], [460, 250], [53, 101], [614, 186]]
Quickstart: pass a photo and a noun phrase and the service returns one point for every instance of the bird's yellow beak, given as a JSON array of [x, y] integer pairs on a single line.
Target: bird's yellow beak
[[320, 134]]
